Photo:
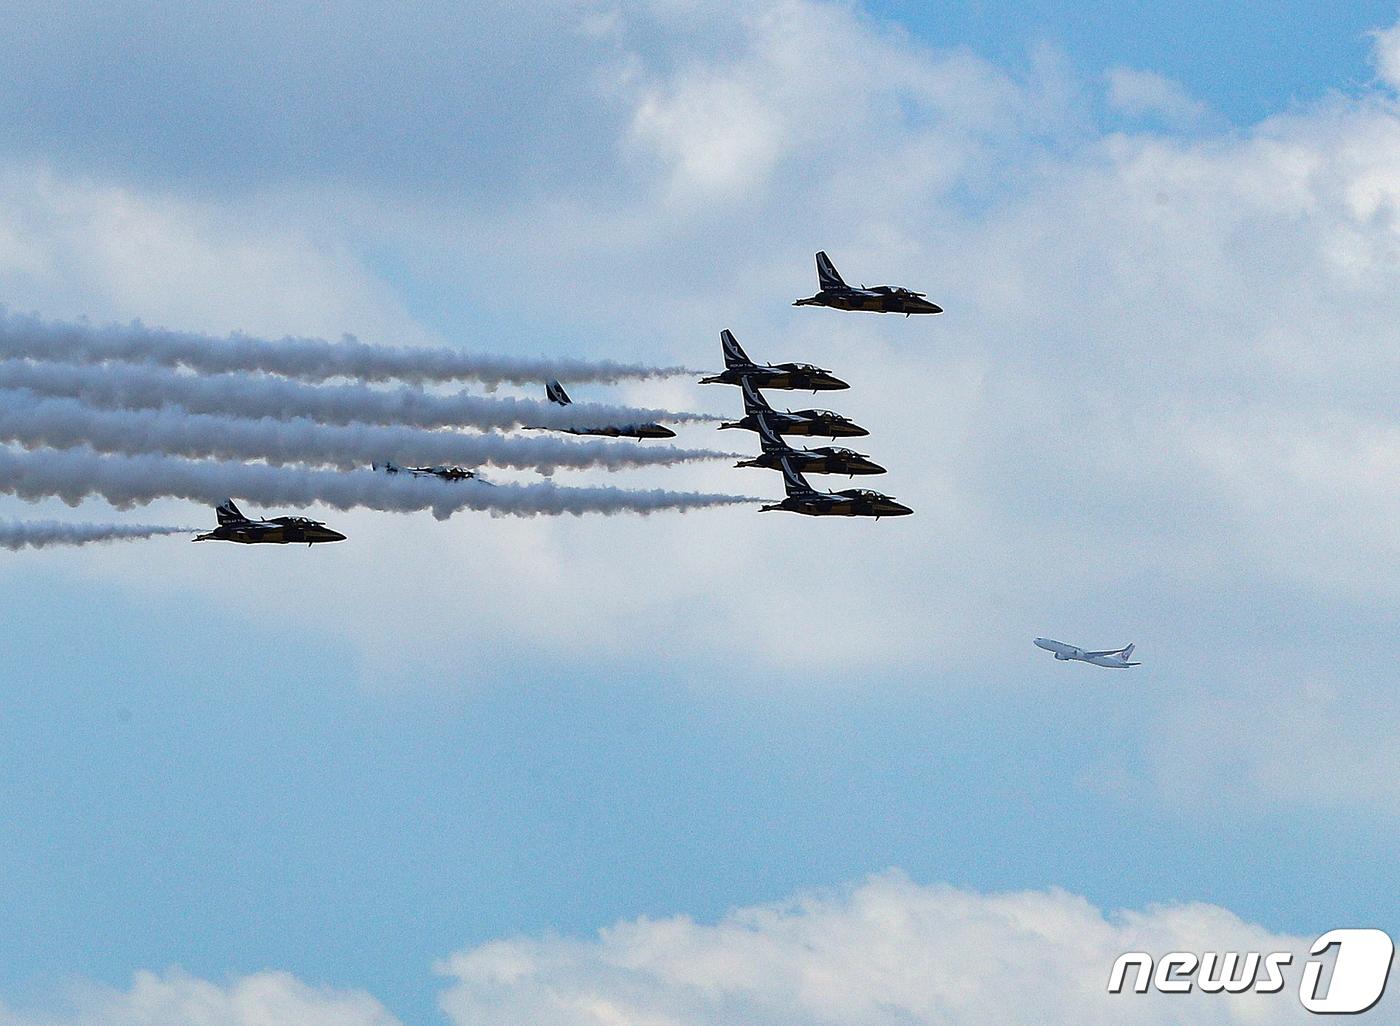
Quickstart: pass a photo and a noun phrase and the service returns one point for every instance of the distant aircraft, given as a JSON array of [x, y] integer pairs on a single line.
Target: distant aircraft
[[235, 527], [556, 394], [793, 422], [738, 368], [446, 473], [823, 460], [837, 294], [854, 502], [1116, 657]]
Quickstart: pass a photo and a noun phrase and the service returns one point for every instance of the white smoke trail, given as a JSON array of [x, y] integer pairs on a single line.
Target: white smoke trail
[[132, 387], [66, 423], [73, 474], [306, 358], [41, 534]]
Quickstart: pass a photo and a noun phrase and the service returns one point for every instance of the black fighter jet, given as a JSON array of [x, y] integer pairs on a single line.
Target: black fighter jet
[[235, 527], [446, 473], [824, 460], [738, 368], [879, 298], [556, 394], [793, 422], [853, 502]]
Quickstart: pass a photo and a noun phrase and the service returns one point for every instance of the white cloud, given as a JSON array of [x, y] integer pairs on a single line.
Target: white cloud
[[888, 952], [1139, 93], [1386, 53], [178, 999], [885, 952], [72, 247]]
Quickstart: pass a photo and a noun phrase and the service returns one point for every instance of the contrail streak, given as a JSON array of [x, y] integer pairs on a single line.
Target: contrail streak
[[73, 474], [133, 387], [310, 359], [41, 534], [67, 423]]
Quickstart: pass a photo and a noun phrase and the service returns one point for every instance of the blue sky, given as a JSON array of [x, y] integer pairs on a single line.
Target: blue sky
[[1247, 60], [1157, 410]]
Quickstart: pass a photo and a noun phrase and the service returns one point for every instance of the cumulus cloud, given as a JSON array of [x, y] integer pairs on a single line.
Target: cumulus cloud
[[888, 952], [884, 952]]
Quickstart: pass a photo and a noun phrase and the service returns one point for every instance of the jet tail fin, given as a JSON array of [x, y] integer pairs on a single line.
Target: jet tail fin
[[768, 439], [556, 394], [228, 513], [827, 275], [1128, 652], [753, 399], [793, 481], [734, 355]]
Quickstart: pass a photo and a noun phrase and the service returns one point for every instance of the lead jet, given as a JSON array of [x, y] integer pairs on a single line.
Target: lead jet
[[826, 459], [793, 422], [235, 527], [837, 294], [854, 502], [556, 394], [1117, 658], [738, 368], [445, 473]]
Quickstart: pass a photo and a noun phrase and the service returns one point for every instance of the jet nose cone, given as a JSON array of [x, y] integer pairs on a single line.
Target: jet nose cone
[[333, 536], [898, 509], [665, 432]]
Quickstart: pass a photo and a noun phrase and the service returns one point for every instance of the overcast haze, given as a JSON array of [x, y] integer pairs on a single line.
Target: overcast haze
[[794, 770]]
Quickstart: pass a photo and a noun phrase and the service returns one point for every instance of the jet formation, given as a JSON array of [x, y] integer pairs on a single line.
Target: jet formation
[[1115, 658], [835, 293], [235, 527], [771, 426]]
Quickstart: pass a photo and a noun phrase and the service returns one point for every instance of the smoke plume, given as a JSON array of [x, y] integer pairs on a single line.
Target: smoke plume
[[74, 474], [309, 359], [133, 387], [35, 422], [41, 534]]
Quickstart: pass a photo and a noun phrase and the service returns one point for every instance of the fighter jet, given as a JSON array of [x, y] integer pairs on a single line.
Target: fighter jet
[[824, 460], [446, 473], [793, 422], [1117, 658], [854, 502], [235, 527], [837, 294], [556, 394], [738, 368]]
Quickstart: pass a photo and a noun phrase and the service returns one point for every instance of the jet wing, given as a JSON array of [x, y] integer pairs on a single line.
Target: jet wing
[[258, 528]]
